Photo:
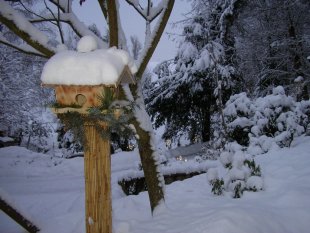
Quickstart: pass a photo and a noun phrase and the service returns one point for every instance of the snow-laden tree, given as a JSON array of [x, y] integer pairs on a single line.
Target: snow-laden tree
[[203, 72], [21, 98], [32, 21], [273, 44]]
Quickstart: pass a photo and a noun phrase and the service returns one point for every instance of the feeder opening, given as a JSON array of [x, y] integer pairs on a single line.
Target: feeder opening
[[80, 99]]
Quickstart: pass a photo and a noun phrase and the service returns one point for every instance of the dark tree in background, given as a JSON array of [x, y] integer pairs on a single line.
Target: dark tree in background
[[273, 46]]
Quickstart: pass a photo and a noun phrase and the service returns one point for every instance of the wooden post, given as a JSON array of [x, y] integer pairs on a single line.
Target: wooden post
[[97, 169]]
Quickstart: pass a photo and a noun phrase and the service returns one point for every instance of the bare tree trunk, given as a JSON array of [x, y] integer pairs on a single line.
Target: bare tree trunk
[[18, 217], [149, 164], [153, 177]]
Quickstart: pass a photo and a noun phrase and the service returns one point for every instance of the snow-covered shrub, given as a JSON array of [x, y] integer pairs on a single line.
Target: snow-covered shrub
[[240, 168], [67, 143], [217, 187], [278, 118], [35, 136], [214, 180], [267, 122], [255, 169], [238, 114], [211, 151], [304, 107], [239, 187], [255, 183]]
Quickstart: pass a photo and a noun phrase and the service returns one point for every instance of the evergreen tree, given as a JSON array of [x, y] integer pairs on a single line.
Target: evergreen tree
[[203, 74]]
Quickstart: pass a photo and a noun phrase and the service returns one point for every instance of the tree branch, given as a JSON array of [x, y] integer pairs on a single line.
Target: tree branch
[[32, 40], [17, 217], [156, 35], [78, 27], [103, 7], [113, 22], [63, 8], [146, 14], [138, 8], [22, 49]]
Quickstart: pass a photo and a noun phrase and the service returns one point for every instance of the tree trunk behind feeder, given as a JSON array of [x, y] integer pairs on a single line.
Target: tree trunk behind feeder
[[97, 169]]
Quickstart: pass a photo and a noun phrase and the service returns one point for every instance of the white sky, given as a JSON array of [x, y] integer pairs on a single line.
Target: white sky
[[133, 24]]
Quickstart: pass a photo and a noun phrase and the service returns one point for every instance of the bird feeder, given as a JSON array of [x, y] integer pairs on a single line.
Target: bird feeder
[[78, 79], [80, 98]]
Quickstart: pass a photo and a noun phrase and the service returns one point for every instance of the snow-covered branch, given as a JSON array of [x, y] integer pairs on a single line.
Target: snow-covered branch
[[25, 27], [137, 6], [64, 5], [17, 23], [153, 39], [150, 13], [25, 48]]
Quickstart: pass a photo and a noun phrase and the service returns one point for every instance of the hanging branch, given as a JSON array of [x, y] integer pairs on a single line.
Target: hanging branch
[[17, 216]]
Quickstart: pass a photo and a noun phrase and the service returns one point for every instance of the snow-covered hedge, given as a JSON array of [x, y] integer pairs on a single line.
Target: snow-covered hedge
[[273, 120]]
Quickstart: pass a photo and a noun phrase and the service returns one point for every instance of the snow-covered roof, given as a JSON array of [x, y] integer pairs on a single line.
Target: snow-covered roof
[[186, 150], [98, 67]]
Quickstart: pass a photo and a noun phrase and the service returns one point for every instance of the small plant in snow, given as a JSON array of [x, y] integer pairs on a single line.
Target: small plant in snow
[[214, 180], [255, 169], [238, 190], [217, 187], [243, 174]]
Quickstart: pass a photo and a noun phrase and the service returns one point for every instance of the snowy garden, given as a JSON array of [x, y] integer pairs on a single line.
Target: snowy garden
[[97, 137]]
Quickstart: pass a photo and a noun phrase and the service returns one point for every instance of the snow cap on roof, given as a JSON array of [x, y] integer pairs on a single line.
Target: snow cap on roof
[[98, 67], [87, 44]]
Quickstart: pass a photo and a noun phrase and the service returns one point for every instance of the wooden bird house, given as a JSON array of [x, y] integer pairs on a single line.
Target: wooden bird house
[[80, 79], [80, 98]]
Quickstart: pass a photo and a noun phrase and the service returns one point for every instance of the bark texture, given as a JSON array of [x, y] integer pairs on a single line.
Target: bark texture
[[113, 23], [153, 183]]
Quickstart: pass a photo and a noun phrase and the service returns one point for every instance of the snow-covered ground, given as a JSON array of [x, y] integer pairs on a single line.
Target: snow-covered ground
[[51, 191]]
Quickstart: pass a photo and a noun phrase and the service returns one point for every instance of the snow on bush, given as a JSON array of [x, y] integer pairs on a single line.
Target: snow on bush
[[267, 122], [255, 127], [255, 183], [238, 114], [240, 167]]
